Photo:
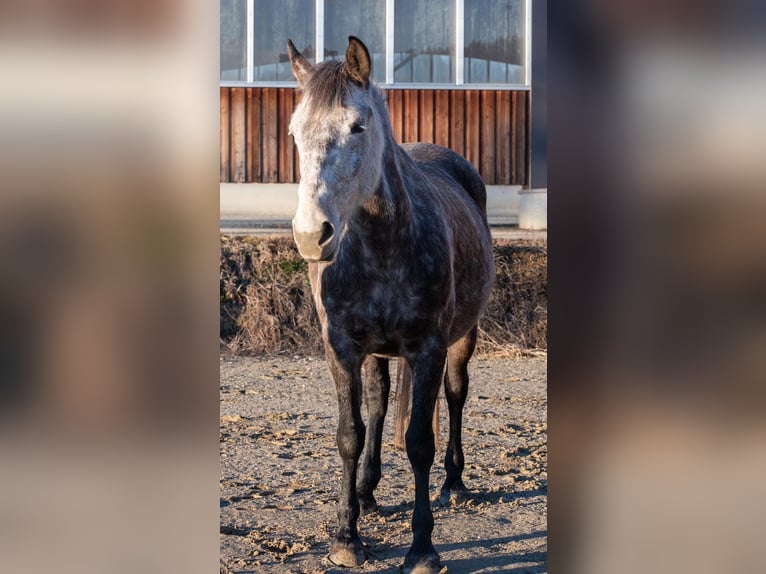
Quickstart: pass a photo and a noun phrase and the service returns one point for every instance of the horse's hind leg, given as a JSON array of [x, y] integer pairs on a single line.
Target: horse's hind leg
[[456, 390], [376, 388]]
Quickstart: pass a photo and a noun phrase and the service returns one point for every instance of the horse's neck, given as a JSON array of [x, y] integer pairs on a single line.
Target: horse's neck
[[390, 204]]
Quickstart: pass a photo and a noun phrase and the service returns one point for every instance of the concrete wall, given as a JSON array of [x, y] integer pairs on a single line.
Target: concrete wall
[[276, 203]]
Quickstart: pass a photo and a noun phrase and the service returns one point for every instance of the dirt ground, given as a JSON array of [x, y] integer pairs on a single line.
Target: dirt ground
[[280, 472]]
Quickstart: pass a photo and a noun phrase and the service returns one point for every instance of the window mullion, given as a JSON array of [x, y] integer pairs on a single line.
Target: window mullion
[[390, 41], [459, 42], [319, 31], [250, 56], [528, 45]]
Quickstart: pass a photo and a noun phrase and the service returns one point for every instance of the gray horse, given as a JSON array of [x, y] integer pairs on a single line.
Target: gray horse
[[400, 263]]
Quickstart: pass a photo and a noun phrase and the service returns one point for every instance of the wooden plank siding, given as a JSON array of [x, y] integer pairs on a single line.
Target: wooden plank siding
[[225, 136], [238, 132], [488, 127], [441, 114], [272, 137], [487, 142]]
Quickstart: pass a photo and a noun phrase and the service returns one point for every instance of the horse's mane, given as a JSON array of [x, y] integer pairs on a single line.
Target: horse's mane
[[329, 84]]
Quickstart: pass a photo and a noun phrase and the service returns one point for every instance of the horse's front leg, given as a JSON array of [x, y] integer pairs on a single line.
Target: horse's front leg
[[346, 547], [376, 389], [427, 370]]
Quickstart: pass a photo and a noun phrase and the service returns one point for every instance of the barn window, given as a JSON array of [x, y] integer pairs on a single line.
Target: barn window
[[438, 43], [233, 40], [424, 42], [365, 19], [274, 21], [495, 42]]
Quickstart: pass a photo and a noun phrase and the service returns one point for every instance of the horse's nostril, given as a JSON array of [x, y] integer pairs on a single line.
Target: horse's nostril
[[327, 232]]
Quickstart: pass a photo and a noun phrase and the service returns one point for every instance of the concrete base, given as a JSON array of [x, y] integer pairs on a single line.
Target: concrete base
[[503, 204], [241, 203], [244, 202], [265, 228]]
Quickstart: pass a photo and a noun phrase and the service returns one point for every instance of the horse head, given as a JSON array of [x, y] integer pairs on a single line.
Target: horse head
[[339, 132]]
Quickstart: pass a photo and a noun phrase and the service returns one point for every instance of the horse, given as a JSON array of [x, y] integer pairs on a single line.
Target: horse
[[400, 264]]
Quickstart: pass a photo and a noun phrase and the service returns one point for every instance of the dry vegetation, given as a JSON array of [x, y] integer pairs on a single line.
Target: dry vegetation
[[266, 304]]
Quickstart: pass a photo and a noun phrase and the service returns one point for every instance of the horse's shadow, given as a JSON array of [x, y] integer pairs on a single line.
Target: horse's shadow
[[492, 497], [496, 496], [534, 562], [510, 563]]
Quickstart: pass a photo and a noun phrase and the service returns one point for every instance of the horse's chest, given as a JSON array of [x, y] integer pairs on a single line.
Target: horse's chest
[[379, 313], [377, 305]]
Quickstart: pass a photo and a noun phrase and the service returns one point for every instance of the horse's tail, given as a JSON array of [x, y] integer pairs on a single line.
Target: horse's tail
[[403, 399]]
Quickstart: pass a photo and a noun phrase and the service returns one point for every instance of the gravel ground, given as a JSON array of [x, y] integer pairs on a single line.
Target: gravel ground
[[280, 472]]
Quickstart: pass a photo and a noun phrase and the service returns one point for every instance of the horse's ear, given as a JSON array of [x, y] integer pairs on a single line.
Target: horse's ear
[[358, 64], [300, 65]]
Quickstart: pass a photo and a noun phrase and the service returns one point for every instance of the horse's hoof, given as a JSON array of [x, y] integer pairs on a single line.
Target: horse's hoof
[[426, 566], [453, 497], [367, 505], [349, 555]]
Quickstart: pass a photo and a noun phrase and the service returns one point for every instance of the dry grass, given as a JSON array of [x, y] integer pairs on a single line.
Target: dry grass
[[517, 314], [266, 304]]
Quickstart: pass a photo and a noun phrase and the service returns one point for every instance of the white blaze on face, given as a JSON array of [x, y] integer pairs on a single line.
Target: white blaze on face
[[310, 214], [312, 140]]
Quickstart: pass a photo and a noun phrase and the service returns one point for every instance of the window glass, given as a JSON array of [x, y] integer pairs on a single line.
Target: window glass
[[424, 38], [365, 19], [233, 40], [274, 22], [424, 41], [495, 41]]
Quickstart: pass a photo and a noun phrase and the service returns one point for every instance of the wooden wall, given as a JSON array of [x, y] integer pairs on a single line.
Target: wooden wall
[[489, 127]]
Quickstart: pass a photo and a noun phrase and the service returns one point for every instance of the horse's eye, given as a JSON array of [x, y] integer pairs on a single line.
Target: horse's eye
[[358, 128]]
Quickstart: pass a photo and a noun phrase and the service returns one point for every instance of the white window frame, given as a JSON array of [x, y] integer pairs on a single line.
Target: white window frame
[[249, 58], [319, 43], [460, 42]]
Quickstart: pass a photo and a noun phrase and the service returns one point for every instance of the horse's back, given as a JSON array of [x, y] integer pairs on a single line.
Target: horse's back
[[464, 200], [441, 160]]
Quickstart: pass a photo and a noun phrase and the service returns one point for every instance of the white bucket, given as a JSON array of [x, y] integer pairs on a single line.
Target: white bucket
[[533, 209]]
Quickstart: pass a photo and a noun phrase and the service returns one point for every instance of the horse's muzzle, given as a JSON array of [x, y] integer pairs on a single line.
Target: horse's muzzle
[[316, 245]]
